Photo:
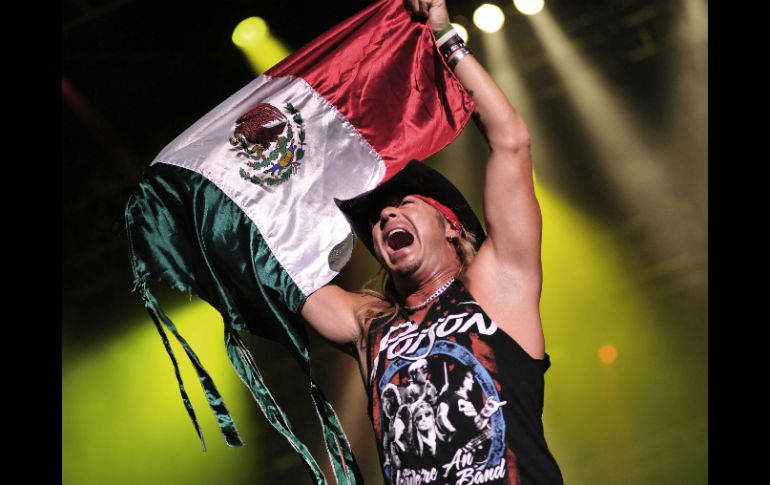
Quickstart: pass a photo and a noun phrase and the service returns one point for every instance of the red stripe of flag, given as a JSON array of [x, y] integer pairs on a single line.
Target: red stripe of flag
[[382, 71]]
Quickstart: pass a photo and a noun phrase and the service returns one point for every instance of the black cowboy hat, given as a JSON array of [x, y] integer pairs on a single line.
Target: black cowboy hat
[[414, 178]]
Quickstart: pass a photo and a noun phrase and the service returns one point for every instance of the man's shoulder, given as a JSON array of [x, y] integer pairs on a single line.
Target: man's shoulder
[[493, 282], [511, 299]]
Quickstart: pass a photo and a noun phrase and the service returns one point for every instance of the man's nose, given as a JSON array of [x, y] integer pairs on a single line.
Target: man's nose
[[388, 213]]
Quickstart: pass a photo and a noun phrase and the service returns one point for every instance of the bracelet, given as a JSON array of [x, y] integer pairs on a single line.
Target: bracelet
[[455, 58], [451, 46], [447, 35], [448, 51]]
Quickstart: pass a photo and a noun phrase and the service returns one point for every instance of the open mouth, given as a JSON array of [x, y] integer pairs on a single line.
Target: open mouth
[[399, 239]]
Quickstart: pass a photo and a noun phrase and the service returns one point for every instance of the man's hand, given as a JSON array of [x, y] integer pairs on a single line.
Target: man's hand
[[433, 10]]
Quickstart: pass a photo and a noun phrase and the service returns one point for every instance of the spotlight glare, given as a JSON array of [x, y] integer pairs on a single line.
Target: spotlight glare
[[529, 7], [461, 31], [608, 354], [249, 32], [489, 18]]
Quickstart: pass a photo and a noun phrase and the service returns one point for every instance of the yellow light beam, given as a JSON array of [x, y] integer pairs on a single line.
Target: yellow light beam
[[500, 62], [252, 36], [629, 155], [123, 420], [600, 418]]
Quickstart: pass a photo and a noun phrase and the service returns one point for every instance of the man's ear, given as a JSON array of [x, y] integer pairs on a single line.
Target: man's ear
[[450, 232]]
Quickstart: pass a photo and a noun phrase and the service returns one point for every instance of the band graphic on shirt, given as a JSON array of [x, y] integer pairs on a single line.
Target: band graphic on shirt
[[440, 417], [408, 341]]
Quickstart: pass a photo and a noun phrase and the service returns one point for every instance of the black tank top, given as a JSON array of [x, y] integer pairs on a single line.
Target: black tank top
[[455, 400]]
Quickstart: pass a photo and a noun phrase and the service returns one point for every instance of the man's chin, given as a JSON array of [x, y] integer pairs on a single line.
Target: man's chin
[[406, 269], [404, 265]]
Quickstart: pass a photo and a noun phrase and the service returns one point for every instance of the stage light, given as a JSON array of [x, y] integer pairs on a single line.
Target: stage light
[[529, 7], [489, 18], [608, 354], [249, 32], [252, 36], [461, 31]]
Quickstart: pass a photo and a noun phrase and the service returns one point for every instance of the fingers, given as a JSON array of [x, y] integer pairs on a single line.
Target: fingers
[[420, 8], [414, 5], [425, 7]]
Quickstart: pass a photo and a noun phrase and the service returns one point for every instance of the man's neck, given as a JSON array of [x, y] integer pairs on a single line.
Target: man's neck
[[416, 292]]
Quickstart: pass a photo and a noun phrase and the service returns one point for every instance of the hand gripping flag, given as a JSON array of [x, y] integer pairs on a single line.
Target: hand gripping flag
[[239, 209]]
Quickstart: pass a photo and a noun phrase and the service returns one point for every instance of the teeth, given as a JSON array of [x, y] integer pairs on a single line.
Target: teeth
[[394, 231]]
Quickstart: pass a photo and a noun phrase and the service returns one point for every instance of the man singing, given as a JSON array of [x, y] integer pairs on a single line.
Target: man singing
[[454, 298]]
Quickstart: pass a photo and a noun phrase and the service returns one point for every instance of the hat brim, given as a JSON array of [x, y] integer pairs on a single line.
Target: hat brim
[[414, 178]]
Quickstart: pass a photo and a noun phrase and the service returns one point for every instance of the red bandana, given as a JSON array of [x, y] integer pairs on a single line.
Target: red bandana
[[446, 211]]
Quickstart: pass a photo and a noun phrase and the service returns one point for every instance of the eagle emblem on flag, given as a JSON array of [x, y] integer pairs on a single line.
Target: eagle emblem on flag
[[271, 142]]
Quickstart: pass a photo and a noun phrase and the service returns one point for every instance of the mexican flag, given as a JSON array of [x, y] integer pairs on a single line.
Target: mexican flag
[[239, 209]]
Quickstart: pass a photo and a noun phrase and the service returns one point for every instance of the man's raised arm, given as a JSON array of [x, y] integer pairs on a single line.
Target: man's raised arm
[[511, 209]]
